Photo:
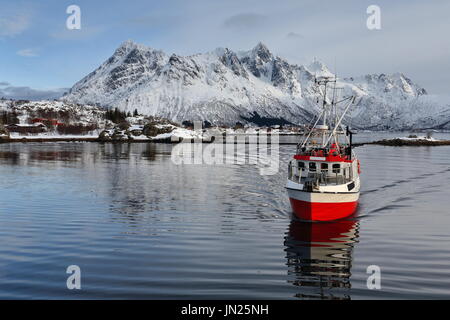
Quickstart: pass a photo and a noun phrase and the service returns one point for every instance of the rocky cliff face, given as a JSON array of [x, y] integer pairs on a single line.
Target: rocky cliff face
[[224, 87]]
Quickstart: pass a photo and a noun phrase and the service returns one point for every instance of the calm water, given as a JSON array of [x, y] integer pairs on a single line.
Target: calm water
[[140, 226]]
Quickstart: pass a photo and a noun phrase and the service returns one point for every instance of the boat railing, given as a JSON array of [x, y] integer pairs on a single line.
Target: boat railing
[[319, 176], [294, 172], [322, 154]]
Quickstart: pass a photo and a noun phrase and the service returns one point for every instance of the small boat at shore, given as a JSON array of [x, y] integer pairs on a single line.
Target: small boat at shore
[[323, 181]]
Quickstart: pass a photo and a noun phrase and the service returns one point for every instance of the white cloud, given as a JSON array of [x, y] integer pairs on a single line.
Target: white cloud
[[11, 26], [27, 52], [245, 20], [27, 93], [294, 35], [86, 32]]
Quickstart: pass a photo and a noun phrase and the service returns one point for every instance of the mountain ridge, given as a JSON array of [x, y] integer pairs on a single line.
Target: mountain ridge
[[225, 86]]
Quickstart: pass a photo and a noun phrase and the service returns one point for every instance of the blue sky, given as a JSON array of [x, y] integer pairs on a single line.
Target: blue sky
[[38, 55]]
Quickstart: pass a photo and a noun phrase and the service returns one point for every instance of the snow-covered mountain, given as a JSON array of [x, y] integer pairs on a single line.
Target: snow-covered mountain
[[224, 87]]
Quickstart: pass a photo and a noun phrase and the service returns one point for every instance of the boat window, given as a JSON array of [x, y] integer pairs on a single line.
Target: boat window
[[324, 166], [312, 166], [336, 168], [301, 164]]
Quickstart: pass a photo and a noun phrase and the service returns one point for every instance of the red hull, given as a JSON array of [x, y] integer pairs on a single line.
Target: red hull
[[318, 211]]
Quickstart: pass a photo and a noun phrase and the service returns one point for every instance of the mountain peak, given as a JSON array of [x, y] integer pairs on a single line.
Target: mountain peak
[[319, 69], [260, 45], [129, 45], [261, 51]]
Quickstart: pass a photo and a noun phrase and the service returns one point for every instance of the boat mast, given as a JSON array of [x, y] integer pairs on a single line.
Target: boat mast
[[325, 110], [334, 109], [329, 114], [324, 105]]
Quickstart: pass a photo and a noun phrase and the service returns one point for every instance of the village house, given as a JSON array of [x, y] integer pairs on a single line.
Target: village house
[[136, 130], [34, 128], [52, 122]]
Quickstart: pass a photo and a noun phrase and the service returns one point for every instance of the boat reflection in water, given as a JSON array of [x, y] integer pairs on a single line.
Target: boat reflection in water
[[319, 258]]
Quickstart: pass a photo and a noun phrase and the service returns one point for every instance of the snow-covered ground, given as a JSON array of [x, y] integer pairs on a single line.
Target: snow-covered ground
[[418, 138], [179, 133], [53, 135]]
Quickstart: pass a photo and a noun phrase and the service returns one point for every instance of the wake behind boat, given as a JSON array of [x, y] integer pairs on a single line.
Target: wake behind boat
[[323, 177]]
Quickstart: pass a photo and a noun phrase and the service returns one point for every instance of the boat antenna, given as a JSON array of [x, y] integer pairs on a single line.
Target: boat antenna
[[334, 109]]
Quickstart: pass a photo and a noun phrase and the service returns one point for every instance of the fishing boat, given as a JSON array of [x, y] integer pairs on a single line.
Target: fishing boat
[[324, 175]]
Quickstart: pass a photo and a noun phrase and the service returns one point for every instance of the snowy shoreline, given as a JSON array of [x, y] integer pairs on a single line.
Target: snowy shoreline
[[173, 139], [407, 142]]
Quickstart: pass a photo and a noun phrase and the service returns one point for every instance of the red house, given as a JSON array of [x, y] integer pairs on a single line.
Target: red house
[[53, 122]]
